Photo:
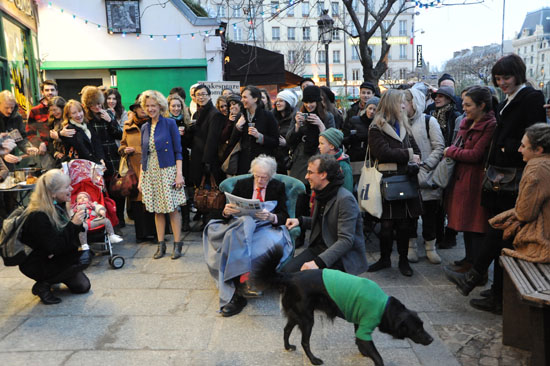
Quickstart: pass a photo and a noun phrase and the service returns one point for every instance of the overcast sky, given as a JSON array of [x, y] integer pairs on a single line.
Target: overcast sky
[[452, 28]]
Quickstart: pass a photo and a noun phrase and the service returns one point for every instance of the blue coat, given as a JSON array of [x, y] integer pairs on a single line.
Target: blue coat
[[167, 142]]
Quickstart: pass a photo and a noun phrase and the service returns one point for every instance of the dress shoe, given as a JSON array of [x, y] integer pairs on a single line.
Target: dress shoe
[[381, 264], [490, 304], [404, 267], [43, 290], [235, 306], [85, 258], [465, 282], [462, 268]]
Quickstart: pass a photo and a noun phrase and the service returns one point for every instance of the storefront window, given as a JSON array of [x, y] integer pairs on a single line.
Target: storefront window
[[19, 65]]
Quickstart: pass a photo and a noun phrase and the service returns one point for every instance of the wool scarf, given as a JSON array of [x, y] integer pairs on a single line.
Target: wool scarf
[[441, 115], [84, 127]]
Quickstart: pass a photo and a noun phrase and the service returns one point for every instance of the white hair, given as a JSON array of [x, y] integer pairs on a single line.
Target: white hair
[[265, 161]]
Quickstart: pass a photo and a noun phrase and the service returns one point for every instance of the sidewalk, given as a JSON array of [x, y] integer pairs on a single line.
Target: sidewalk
[[164, 312]]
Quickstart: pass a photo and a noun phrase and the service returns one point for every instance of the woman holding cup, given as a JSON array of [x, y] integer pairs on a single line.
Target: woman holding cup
[[256, 129]]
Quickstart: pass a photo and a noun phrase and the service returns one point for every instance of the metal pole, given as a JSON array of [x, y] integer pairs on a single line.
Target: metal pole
[[326, 64], [502, 36]]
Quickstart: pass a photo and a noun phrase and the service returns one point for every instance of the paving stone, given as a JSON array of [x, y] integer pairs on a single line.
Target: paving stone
[[127, 357], [30, 357]]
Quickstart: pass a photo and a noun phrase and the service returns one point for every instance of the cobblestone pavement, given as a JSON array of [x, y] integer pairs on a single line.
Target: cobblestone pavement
[[165, 312], [474, 345]]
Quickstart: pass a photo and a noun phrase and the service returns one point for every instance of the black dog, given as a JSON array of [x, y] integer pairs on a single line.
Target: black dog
[[305, 291]]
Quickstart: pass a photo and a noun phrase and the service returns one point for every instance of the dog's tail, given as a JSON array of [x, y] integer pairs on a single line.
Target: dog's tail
[[264, 273]]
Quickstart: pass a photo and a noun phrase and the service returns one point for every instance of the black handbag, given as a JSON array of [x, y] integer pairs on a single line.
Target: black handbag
[[501, 179], [399, 187]]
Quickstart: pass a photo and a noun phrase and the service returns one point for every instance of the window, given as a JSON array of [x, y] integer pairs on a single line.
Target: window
[[402, 51], [352, 30], [531, 72], [335, 9], [354, 5], [336, 57], [402, 73], [525, 49], [251, 34], [320, 8], [321, 57], [274, 7], [335, 35], [370, 24], [542, 57], [532, 48], [291, 57], [291, 34], [275, 34], [355, 74], [531, 59], [237, 12], [305, 9], [402, 27], [355, 52], [518, 50], [307, 57], [290, 12], [237, 34], [221, 11], [386, 25], [306, 32], [371, 52]]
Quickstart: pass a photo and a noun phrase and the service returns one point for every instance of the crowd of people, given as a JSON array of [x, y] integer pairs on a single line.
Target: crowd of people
[[174, 149]]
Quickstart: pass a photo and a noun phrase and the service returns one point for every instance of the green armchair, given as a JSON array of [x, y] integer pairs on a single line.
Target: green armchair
[[293, 188]]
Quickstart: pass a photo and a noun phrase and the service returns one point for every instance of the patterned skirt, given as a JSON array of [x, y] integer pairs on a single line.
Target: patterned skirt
[[159, 195]]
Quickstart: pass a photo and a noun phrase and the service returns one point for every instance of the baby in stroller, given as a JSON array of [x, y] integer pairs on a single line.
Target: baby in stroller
[[95, 216]]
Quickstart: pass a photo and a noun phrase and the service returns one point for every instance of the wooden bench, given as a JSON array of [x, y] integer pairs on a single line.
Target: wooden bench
[[526, 308]]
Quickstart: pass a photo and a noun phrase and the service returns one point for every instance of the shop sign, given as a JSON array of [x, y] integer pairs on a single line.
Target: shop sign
[[216, 88], [23, 5]]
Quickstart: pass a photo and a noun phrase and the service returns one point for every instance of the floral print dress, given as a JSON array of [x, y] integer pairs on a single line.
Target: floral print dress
[[159, 195]]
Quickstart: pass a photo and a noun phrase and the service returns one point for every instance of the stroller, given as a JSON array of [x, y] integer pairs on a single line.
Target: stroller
[[87, 176]]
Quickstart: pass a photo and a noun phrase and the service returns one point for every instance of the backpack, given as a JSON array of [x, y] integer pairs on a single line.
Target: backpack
[[12, 250]]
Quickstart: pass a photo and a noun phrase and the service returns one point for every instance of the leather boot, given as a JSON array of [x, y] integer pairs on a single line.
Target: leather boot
[[43, 291], [161, 250], [176, 253], [404, 266], [490, 304], [412, 255], [185, 219], [465, 282], [431, 253]]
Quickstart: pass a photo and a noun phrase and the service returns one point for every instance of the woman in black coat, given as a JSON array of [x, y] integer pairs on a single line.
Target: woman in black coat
[[284, 115], [256, 130], [53, 236], [392, 145], [85, 143]]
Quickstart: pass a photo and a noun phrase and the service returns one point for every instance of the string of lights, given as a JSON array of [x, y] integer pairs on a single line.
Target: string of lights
[[98, 26]]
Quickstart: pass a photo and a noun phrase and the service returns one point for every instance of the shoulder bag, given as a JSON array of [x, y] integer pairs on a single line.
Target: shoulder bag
[[368, 188], [501, 179], [209, 199]]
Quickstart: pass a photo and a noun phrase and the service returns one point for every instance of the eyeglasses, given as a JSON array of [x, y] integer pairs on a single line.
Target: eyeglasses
[[201, 94]]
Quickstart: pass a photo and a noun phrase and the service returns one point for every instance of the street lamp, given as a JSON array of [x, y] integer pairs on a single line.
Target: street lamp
[[325, 24]]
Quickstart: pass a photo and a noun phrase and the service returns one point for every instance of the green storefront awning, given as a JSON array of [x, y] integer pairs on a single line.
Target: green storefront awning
[[123, 64]]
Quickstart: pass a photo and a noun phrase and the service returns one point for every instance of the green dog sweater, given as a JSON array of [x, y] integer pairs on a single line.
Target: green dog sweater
[[361, 300]]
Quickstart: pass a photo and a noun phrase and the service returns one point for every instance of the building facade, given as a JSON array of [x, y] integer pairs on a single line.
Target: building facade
[[291, 28], [131, 45], [532, 43]]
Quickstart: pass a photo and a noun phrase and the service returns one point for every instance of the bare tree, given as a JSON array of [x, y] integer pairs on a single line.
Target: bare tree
[[372, 72], [296, 63], [474, 65]]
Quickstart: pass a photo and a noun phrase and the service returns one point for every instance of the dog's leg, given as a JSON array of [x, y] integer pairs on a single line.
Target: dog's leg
[[368, 349], [306, 325], [291, 323]]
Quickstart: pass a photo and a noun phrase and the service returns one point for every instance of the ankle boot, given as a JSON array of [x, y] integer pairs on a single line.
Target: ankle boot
[[412, 255], [185, 219], [381, 264], [176, 253], [43, 291], [431, 253], [404, 266], [465, 282], [161, 250]]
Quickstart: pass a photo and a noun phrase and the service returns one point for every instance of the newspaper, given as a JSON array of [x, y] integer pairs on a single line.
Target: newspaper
[[250, 206]]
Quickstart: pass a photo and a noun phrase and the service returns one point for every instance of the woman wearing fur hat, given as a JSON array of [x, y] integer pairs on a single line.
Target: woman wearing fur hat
[[309, 122], [106, 127], [284, 113]]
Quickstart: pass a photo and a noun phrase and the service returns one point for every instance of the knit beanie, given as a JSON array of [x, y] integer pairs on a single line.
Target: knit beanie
[[445, 77], [288, 96], [311, 93], [373, 100], [333, 136]]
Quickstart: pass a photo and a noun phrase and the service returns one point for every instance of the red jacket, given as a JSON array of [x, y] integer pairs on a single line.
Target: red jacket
[[464, 201]]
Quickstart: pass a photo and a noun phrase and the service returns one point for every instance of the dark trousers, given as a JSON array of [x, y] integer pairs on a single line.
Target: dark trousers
[[473, 244], [440, 229], [399, 230], [144, 221], [489, 252], [119, 201], [429, 220], [309, 254]]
